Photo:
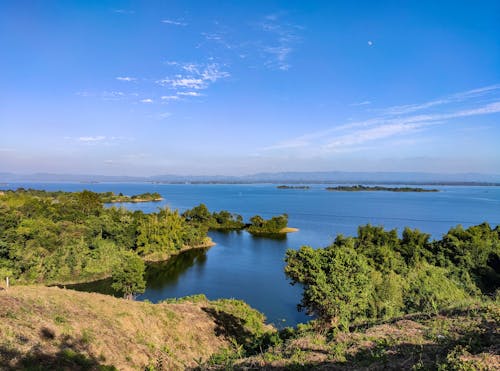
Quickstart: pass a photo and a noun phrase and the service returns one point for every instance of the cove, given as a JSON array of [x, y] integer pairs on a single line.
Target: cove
[[250, 268], [240, 266]]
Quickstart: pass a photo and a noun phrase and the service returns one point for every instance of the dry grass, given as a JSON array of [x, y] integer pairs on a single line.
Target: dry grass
[[58, 328], [462, 339]]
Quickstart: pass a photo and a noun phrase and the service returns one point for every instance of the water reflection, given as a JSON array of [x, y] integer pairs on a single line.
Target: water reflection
[[161, 274], [158, 275]]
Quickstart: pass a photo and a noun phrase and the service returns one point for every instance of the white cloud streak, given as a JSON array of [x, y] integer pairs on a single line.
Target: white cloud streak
[[391, 123], [189, 94], [174, 22], [126, 78], [92, 139]]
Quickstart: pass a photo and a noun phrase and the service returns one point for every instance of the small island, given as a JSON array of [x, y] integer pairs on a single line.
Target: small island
[[362, 188], [276, 227], [292, 187], [110, 197]]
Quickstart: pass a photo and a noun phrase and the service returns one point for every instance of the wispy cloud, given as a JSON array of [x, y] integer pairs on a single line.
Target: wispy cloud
[[123, 11], [395, 122], [112, 95], [454, 98], [169, 97], [92, 139], [146, 100], [194, 77], [363, 103], [126, 78], [174, 22], [189, 94], [282, 37], [99, 140]]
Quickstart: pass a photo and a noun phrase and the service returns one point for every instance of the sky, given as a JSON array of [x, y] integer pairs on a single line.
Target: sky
[[240, 87]]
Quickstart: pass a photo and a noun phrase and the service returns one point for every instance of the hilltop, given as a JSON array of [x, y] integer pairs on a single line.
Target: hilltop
[[53, 328]]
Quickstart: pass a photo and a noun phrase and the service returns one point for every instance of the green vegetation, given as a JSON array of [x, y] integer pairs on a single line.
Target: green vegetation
[[378, 275], [464, 337], [268, 228], [292, 187], [276, 227], [359, 187], [128, 276], [219, 221], [110, 197], [379, 299], [48, 328], [63, 237], [69, 237]]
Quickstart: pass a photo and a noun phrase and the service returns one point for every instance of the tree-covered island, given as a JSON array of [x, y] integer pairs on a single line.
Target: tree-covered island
[[293, 187], [110, 197], [363, 188]]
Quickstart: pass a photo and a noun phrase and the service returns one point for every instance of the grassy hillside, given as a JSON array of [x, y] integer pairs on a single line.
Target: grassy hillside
[[52, 328], [461, 338], [47, 328]]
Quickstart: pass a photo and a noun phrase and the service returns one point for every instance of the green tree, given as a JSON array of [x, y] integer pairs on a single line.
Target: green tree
[[128, 275], [337, 285]]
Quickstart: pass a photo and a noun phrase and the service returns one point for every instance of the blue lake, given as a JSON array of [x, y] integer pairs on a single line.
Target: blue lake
[[245, 267]]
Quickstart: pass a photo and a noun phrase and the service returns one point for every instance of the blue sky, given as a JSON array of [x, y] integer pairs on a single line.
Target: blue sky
[[239, 87]]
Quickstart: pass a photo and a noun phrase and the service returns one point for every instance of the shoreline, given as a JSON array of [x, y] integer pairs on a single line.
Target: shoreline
[[289, 230], [208, 244], [134, 201]]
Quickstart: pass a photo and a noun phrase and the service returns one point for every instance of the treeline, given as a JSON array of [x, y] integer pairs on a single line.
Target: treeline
[[359, 187], [62, 237], [292, 187], [226, 221], [378, 275], [111, 197]]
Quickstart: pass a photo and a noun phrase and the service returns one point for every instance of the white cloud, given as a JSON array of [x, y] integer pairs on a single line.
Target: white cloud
[[123, 11], [367, 135], [169, 97], [187, 82], [92, 139], [174, 22], [370, 43], [147, 100], [195, 76], [126, 78], [189, 93], [354, 135], [453, 98], [363, 103], [283, 37]]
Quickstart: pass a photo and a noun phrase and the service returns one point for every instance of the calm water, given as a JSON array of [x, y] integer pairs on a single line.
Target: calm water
[[251, 269]]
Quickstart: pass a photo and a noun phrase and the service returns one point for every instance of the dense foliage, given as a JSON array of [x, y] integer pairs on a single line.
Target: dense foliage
[[110, 197], [274, 226], [222, 221], [128, 275], [57, 237], [379, 275], [226, 221]]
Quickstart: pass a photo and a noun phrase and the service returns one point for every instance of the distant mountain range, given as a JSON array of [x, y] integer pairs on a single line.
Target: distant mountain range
[[284, 177]]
